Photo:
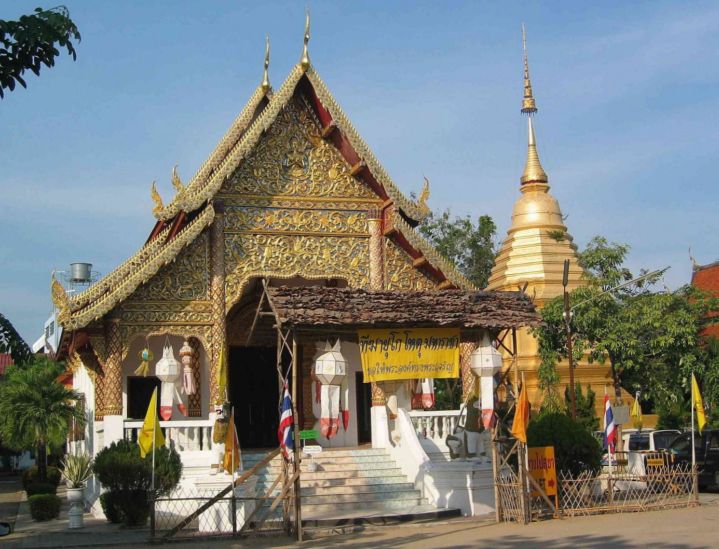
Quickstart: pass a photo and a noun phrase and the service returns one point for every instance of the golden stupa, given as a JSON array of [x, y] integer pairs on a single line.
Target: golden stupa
[[532, 257]]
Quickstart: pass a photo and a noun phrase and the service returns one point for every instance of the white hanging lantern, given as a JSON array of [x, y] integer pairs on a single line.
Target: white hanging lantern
[[188, 377], [331, 366], [168, 371], [486, 361], [330, 370]]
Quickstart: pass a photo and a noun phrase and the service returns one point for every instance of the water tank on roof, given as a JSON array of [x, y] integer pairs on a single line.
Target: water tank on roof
[[80, 272]]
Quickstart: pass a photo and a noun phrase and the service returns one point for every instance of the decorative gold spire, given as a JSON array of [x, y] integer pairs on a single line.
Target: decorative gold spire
[[533, 171], [529, 107], [266, 76], [305, 61]]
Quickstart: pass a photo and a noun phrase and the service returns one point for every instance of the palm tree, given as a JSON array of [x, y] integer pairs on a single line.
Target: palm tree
[[36, 410]]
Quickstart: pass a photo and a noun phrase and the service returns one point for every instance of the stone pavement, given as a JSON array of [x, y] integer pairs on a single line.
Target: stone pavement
[[680, 528]]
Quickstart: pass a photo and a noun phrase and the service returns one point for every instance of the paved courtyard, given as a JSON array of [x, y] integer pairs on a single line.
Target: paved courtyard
[[679, 528]]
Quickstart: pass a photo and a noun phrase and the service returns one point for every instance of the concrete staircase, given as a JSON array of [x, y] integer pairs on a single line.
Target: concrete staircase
[[353, 486]]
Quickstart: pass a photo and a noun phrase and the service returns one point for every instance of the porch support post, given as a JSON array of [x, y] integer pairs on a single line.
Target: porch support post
[[195, 400], [466, 348], [112, 384], [376, 277], [217, 293]]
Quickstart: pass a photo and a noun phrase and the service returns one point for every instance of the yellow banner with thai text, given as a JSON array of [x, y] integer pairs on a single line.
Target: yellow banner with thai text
[[396, 354]]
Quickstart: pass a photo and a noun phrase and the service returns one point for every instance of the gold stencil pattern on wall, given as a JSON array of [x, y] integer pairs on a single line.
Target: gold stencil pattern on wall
[[292, 159], [238, 218], [401, 275], [289, 255], [186, 278]]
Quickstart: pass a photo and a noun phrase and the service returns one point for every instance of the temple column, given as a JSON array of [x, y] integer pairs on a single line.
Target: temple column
[[217, 290], [111, 388], [466, 348], [195, 400], [376, 277]]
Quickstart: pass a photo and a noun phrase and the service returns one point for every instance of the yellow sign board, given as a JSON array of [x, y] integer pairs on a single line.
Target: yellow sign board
[[394, 354], [543, 469]]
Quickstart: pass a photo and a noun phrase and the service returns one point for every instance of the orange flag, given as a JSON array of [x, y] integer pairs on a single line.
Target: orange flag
[[232, 459], [521, 417]]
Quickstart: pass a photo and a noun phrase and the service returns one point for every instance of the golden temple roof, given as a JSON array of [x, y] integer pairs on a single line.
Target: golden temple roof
[[193, 202], [533, 171]]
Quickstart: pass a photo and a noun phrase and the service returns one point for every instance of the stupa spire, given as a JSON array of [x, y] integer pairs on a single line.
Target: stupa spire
[[266, 75], [533, 171], [305, 60]]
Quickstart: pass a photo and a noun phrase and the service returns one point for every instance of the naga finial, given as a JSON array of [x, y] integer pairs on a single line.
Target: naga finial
[[266, 75], [529, 106], [305, 61], [424, 195], [156, 198], [60, 300], [176, 181]]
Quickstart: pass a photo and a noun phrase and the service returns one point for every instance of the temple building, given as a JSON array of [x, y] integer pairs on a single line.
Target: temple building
[[291, 197], [532, 258]]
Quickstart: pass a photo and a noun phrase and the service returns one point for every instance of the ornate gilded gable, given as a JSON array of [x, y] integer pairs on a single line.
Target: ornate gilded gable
[[400, 274], [185, 279], [292, 160]]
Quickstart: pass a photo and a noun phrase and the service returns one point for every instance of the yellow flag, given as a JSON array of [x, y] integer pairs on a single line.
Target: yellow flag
[[521, 417], [637, 413], [698, 404], [232, 458], [150, 426], [222, 373]]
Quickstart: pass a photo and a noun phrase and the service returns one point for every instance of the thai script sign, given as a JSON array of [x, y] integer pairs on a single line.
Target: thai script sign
[[409, 354], [542, 467]]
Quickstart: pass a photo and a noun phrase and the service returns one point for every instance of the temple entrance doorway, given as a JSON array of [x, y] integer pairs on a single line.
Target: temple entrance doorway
[[364, 407], [254, 392]]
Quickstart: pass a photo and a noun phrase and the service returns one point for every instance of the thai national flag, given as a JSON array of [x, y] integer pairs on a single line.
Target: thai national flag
[[284, 433], [610, 430]]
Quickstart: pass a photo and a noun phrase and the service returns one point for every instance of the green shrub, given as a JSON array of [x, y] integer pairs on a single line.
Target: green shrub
[[44, 506], [38, 487], [110, 502], [575, 449], [128, 480], [30, 475]]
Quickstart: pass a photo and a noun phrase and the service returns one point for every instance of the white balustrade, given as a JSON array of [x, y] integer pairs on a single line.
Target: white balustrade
[[435, 425], [184, 436]]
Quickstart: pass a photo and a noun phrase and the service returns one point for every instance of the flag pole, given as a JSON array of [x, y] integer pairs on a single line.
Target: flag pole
[[154, 437], [694, 452]]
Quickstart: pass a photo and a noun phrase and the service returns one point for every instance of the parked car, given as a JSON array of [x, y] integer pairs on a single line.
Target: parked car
[[648, 440], [706, 447]]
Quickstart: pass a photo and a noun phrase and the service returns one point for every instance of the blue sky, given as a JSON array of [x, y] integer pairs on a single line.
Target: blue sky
[[627, 126]]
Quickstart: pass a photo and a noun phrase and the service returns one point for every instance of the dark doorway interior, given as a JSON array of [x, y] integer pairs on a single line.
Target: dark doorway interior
[[139, 393], [364, 407], [254, 392]]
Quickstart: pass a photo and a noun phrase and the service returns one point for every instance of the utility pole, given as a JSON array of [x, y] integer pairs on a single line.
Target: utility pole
[[568, 325]]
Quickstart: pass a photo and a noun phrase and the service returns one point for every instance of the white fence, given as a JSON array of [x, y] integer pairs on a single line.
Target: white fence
[[435, 425], [185, 436]]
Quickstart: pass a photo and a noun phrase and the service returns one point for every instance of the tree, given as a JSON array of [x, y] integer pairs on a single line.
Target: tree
[[470, 247], [11, 342], [30, 42], [650, 337], [36, 410], [586, 413]]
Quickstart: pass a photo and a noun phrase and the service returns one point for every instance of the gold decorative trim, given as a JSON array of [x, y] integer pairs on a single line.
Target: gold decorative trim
[[191, 197], [142, 273]]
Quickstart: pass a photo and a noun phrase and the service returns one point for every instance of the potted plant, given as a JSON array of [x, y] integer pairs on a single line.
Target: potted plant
[[76, 470]]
